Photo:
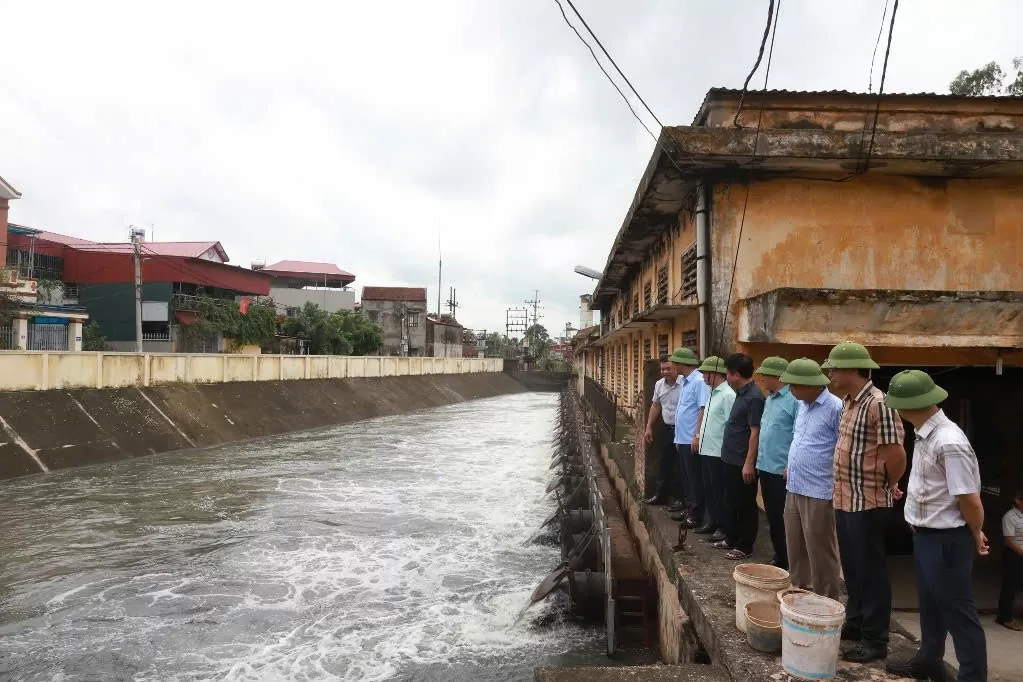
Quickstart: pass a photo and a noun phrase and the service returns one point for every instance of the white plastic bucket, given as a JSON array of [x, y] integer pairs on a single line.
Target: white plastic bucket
[[811, 627], [756, 582]]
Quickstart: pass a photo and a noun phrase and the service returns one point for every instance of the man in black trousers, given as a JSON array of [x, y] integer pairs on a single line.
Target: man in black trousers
[[739, 455], [661, 416]]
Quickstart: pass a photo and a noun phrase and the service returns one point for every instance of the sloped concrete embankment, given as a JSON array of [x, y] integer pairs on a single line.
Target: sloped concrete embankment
[[50, 430]]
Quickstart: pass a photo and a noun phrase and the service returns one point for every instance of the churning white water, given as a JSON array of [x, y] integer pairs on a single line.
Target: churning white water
[[387, 549]]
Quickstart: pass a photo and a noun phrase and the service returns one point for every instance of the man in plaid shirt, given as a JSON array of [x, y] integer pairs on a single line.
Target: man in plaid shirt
[[869, 461]]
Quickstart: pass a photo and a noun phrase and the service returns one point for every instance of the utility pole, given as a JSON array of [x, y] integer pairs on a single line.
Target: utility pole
[[137, 234], [452, 302], [535, 305]]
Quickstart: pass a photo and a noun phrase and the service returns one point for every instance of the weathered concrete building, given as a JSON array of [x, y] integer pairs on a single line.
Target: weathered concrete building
[[443, 337], [401, 311], [804, 226]]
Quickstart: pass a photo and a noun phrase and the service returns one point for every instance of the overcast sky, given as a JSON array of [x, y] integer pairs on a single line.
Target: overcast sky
[[357, 132]]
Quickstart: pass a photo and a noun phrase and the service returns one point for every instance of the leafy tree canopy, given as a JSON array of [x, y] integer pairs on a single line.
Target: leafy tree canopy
[[988, 80]]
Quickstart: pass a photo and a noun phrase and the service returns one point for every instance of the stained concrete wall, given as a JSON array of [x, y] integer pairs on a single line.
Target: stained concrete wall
[[48, 430], [41, 371]]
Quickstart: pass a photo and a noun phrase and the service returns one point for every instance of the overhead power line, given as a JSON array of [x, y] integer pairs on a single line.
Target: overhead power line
[[756, 64], [613, 62], [877, 43]]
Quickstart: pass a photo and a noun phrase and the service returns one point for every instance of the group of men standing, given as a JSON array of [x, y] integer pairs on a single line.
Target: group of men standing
[[828, 453]]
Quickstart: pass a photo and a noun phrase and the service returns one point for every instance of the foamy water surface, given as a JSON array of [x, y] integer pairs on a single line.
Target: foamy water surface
[[388, 549]]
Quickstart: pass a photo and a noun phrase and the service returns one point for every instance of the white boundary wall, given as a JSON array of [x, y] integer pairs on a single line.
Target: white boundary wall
[[29, 370]]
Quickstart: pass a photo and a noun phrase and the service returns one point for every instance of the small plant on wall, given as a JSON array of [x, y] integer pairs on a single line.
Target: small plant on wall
[[48, 290]]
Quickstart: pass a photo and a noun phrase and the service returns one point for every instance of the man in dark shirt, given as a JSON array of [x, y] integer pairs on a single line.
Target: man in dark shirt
[[739, 456]]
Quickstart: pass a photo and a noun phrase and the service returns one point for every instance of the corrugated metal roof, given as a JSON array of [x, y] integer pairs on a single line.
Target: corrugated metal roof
[[417, 294], [307, 269], [171, 249]]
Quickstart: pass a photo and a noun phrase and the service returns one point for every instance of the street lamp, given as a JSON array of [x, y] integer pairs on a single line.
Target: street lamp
[[588, 272]]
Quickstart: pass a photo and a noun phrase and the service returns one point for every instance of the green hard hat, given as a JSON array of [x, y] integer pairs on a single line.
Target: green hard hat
[[850, 355], [773, 366], [713, 364], [684, 356], [804, 372], [913, 390]]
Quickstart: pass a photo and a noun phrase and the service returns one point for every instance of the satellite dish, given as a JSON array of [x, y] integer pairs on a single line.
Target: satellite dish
[[588, 272]]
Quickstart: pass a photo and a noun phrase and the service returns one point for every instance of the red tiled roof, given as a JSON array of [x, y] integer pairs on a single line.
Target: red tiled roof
[[172, 249], [304, 269], [417, 294]]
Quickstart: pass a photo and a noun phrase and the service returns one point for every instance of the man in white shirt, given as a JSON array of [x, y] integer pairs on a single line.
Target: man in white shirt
[[661, 416], [944, 510], [1012, 563]]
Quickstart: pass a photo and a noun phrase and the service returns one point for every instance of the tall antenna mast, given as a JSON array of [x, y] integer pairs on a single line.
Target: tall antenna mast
[[440, 265]]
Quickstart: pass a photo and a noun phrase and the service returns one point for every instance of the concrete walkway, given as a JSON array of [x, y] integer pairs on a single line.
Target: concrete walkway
[[1004, 647]]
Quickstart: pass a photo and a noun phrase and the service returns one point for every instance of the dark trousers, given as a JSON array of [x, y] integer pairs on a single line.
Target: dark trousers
[[712, 473], [944, 565], [861, 547], [671, 481], [692, 482], [773, 488], [1012, 574], [741, 513]]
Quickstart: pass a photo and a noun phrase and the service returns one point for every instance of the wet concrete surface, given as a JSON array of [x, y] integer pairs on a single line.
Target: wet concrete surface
[[657, 673]]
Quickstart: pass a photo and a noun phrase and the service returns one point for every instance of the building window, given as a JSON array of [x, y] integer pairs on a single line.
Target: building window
[[635, 368], [647, 347], [413, 319], [648, 296], [662, 345], [689, 340], [662, 285], [635, 304], [689, 273], [374, 316]]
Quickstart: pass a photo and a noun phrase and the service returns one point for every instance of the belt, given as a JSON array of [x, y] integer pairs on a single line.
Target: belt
[[926, 531]]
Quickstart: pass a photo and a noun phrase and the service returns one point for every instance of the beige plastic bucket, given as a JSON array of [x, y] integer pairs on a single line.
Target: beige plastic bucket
[[811, 627], [763, 626], [756, 582]]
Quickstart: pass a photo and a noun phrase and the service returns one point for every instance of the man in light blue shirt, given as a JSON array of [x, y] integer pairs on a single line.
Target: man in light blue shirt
[[809, 514], [688, 416], [710, 438], [776, 427]]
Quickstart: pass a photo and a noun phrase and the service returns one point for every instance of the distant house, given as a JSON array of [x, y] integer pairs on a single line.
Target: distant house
[[293, 283], [401, 312], [100, 277], [443, 337], [471, 344]]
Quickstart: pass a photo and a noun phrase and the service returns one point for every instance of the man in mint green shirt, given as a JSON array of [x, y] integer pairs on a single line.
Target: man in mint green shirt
[[776, 428], [708, 443]]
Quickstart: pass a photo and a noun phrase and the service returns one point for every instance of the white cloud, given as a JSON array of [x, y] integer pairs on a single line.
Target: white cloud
[[353, 132]]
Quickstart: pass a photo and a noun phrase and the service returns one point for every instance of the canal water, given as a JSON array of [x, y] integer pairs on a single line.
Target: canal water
[[387, 549]]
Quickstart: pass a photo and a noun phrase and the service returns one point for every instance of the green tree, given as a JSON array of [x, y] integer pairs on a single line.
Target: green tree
[[214, 315], [988, 80], [339, 333], [93, 338], [539, 341]]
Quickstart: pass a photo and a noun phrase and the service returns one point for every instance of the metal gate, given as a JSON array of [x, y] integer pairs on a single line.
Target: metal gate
[[47, 337], [6, 338]]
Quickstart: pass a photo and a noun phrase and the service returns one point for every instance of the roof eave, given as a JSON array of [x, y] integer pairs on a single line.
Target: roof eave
[[7, 190]]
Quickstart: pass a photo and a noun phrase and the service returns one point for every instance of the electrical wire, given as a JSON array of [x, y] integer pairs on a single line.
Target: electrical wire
[[772, 21], [613, 63], [625, 98], [877, 43], [756, 64]]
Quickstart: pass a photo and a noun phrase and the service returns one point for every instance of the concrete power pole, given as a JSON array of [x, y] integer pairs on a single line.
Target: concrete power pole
[[137, 234]]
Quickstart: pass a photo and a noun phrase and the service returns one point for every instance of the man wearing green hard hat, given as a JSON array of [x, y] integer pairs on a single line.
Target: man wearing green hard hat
[[688, 415], [944, 510], [708, 444], [776, 427], [810, 482], [869, 461]]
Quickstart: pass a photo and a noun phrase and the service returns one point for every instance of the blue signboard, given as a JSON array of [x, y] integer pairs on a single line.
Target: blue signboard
[[49, 320]]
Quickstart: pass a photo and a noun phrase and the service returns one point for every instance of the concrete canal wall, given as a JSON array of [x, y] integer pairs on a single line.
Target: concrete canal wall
[[46, 430], [40, 371]]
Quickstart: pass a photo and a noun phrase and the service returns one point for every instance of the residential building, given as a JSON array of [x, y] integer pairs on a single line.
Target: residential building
[[444, 337], [293, 283], [471, 343], [805, 226], [401, 312], [101, 278], [41, 316], [7, 194]]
